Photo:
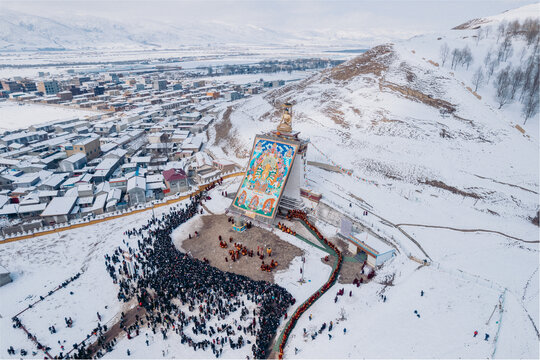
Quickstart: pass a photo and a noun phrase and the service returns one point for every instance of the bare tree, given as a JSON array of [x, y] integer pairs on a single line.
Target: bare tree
[[456, 58], [466, 57], [478, 78], [530, 107], [501, 30], [490, 69], [487, 59], [530, 89], [502, 84], [507, 48], [479, 33], [516, 81], [531, 28], [528, 75], [487, 29], [444, 53], [513, 28]]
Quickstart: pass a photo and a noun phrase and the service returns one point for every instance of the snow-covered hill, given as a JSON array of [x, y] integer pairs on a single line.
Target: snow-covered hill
[[20, 31], [429, 153]]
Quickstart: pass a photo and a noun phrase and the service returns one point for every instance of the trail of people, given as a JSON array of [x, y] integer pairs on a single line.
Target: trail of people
[[302, 217]]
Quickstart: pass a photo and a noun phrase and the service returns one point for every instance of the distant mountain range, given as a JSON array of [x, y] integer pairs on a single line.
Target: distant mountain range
[[20, 32]]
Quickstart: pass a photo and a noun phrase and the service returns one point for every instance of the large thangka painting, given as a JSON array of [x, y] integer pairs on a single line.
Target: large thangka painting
[[265, 177]]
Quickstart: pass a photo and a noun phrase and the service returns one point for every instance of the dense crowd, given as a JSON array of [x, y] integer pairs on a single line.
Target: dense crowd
[[207, 308]]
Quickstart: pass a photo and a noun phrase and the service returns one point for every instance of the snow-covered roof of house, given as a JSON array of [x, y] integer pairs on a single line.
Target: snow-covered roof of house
[[114, 194], [194, 142], [23, 190], [107, 164], [46, 193], [101, 199], [85, 187], [136, 182], [60, 206], [75, 158], [12, 209], [155, 186], [117, 153], [86, 141], [102, 187], [86, 200], [141, 159], [372, 242], [108, 147], [201, 159], [8, 162], [3, 200], [54, 179], [85, 178], [30, 199], [72, 192], [154, 178], [27, 178], [71, 181], [49, 159]]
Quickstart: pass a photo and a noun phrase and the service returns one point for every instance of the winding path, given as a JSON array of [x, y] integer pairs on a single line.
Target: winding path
[[470, 230], [279, 345]]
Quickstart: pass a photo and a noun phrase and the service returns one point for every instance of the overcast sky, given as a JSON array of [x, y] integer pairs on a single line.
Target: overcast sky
[[392, 16]]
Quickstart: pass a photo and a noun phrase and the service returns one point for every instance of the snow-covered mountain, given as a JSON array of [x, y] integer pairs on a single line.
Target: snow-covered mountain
[[19, 31], [427, 152]]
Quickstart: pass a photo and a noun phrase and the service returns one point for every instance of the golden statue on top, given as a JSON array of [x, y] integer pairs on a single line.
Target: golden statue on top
[[286, 119]]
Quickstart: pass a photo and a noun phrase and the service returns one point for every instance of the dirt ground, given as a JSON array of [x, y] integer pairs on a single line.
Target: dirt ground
[[349, 270], [206, 245]]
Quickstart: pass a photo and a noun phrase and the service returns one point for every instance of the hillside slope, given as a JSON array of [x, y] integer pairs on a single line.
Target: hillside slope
[[439, 160]]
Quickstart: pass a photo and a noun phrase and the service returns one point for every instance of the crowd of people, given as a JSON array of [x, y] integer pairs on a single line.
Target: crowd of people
[[52, 329], [238, 250], [286, 229], [207, 308]]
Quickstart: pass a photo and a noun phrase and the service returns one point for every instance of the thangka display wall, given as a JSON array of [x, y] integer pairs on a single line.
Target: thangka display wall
[[266, 175]]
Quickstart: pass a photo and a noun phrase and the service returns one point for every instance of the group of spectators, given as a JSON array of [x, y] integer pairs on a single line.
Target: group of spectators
[[207, 308]]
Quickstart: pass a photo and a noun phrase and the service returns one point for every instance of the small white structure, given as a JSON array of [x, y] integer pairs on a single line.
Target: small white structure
[[136, 189], [376, 250], [74, 162]]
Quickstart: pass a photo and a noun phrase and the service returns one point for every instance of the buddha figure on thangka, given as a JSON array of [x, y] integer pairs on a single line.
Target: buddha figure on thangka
[[265, 177]]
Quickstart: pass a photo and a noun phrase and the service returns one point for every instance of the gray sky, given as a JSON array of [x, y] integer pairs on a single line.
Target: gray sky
[[384, 16]]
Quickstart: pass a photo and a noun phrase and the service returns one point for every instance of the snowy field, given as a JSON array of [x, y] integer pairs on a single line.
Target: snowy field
[[14, 116], [40, 264]]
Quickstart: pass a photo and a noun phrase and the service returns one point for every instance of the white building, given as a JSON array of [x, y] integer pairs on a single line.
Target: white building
[[136, 189]]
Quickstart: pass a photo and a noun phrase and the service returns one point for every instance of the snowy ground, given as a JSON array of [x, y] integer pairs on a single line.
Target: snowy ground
[[450, 311], [40, 264], [14, 116]]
